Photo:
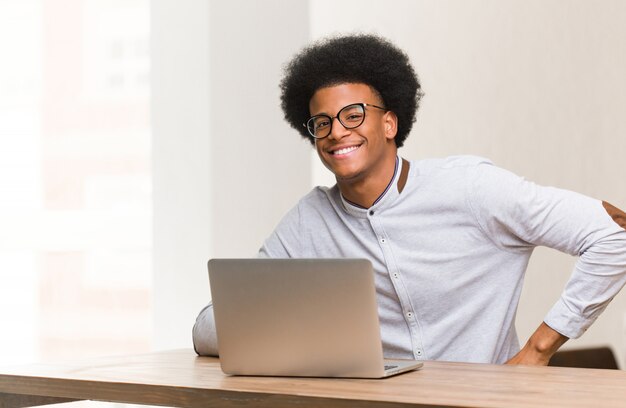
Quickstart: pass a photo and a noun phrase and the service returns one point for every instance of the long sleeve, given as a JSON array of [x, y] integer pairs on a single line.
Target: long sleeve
[[203, 333], [519, 215], [598, 276]]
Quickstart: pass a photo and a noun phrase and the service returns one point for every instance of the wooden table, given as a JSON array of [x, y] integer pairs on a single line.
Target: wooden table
[[179, 378]]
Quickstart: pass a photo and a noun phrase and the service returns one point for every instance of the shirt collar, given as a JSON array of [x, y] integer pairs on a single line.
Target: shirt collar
[[388, 195]]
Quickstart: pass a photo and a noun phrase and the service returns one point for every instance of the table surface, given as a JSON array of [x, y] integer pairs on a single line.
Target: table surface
[[180, 378]]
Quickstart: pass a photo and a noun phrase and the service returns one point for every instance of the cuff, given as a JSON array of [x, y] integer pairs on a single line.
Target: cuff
[[566, 322]]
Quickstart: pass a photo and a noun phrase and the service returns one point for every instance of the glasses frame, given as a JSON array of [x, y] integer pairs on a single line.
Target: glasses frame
[[331, 119]]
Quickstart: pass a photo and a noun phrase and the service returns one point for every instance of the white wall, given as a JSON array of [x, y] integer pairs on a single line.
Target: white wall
[[225, 165], [536, 86], [180, 171]]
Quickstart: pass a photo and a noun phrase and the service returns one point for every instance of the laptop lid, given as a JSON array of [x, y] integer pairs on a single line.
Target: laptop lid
[[296, 317]]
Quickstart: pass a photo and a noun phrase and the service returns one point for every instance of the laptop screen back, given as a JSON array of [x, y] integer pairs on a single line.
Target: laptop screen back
[[296, 317]]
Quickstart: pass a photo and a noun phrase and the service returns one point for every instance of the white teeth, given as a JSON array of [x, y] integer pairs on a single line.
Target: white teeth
[[345, 150]]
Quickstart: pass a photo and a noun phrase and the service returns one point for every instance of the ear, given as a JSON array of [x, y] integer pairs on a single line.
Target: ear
[[391, 124]]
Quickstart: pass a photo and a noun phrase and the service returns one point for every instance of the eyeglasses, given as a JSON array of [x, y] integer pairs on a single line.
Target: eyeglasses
[[350, 117]]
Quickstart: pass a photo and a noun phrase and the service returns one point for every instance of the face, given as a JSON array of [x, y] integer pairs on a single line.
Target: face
[[355, 154]]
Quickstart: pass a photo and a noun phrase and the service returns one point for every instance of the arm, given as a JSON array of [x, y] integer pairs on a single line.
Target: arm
[[545, 341], [540, 347], [519, 214], [203, 333]]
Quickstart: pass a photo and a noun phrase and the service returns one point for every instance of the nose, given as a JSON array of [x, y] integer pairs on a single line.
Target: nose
[[338, 131]]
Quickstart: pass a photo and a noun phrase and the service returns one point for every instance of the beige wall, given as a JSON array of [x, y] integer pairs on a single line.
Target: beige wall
[[536, 86]]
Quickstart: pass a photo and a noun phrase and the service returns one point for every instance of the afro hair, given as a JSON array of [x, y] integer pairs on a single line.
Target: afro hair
[[359, 58]]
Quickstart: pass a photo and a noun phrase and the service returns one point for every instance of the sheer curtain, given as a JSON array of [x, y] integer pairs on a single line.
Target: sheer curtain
[[75, 179]]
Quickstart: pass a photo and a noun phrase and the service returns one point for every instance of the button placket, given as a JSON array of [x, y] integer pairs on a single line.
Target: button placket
[[403, 297]]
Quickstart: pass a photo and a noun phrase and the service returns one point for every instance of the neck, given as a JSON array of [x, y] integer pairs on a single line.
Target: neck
[[364, 191]]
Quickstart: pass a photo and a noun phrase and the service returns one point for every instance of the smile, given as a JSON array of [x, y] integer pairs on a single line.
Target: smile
[[345, 150]]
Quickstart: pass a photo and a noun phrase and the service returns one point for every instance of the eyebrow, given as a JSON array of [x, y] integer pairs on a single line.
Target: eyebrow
[[328, 114]]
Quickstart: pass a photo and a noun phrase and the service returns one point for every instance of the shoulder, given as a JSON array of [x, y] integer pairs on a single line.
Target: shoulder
[[319, 198], [291, 237], [451, 171], [452, 162], [446, 164]]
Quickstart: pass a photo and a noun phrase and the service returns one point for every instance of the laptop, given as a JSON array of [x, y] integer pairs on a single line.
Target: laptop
[[299, 317]]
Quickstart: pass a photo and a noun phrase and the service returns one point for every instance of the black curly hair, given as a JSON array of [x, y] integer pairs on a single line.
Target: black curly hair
[[358, 58]]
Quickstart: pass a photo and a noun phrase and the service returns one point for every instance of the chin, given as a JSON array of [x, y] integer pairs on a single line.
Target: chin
[[347, 175]]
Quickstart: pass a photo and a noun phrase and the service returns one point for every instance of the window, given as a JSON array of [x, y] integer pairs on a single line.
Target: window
[[75, 179]]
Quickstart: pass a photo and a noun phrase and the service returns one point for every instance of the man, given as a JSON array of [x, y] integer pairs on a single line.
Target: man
[[449, 239]]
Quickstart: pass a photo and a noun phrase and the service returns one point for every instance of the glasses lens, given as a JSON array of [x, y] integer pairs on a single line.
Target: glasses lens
[[352, 116], [319, 126]]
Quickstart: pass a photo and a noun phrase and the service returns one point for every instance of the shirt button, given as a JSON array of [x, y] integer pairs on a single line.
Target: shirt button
[[409, 315], [383, 240], [419, 352], [371, 212], [395, 275]]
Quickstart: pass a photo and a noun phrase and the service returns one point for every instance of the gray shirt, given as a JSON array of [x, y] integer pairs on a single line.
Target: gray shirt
[[450, 252]]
